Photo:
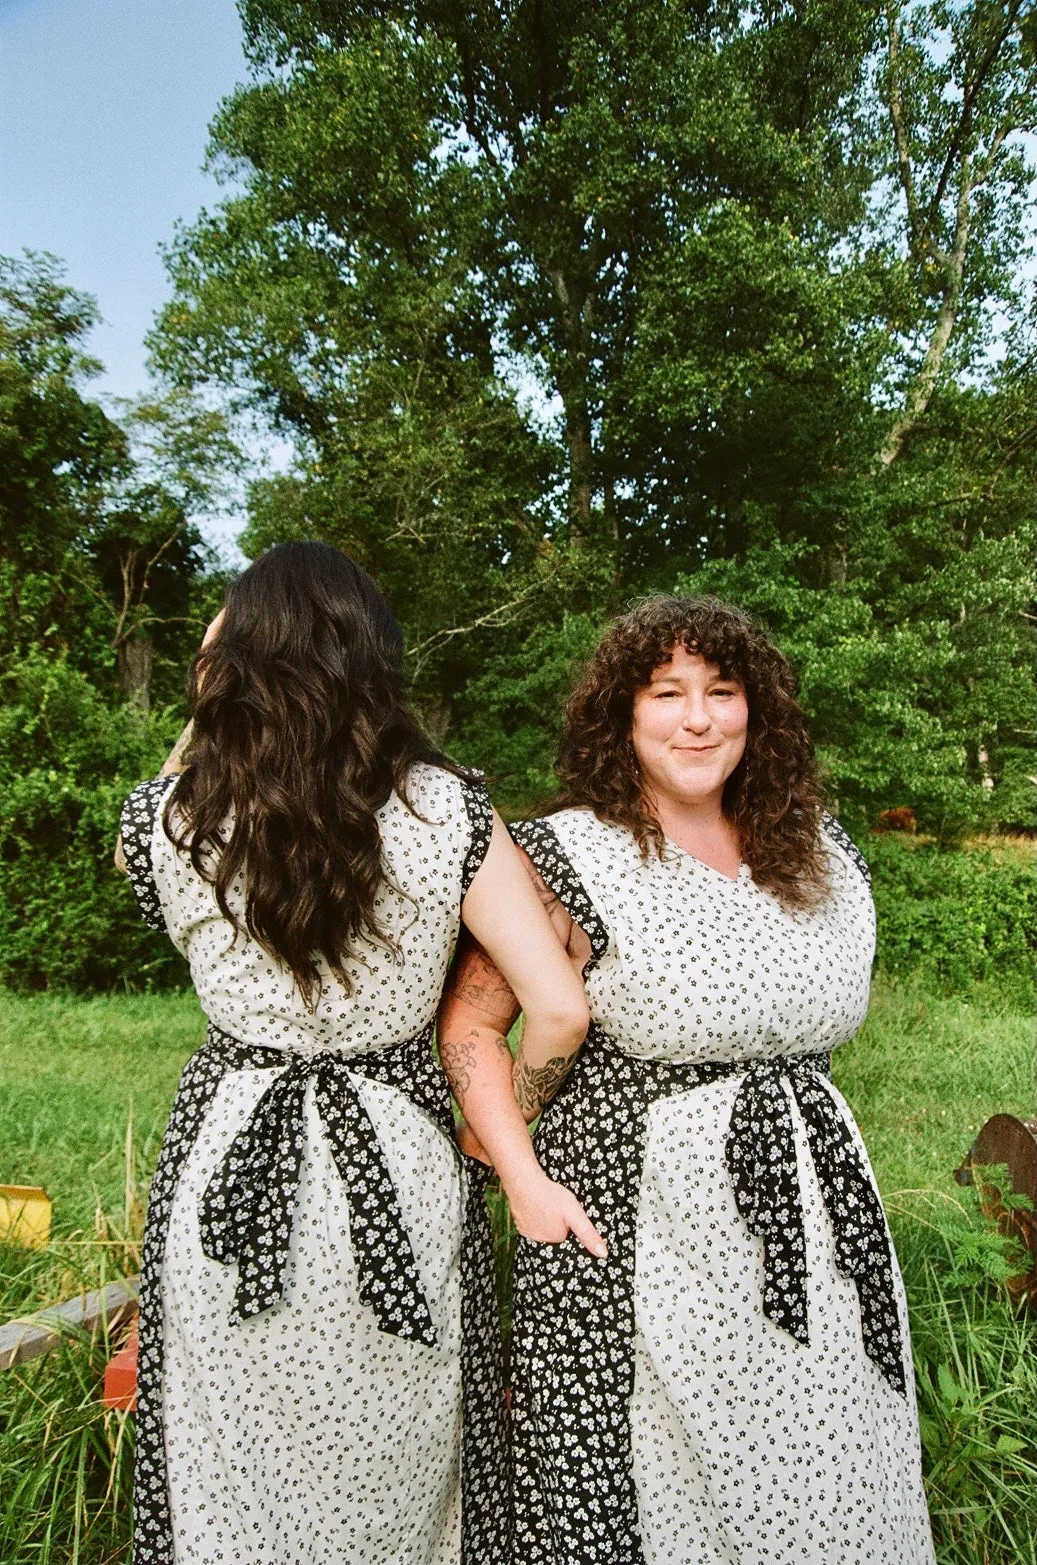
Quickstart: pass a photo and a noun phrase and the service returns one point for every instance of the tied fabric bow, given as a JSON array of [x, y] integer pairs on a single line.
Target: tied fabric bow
[[761, 1159], [248, 1207]]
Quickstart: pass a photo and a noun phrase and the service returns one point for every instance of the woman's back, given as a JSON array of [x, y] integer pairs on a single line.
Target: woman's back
[[428, 851]]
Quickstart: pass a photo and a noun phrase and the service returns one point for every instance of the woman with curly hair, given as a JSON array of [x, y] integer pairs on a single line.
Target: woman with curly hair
[[320, 1377], [732, 1384]]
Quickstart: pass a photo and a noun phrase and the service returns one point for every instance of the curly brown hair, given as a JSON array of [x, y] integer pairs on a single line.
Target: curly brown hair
[[301, 732], [773, 797]]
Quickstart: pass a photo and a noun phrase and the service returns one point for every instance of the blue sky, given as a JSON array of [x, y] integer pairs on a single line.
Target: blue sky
[[104, 107]]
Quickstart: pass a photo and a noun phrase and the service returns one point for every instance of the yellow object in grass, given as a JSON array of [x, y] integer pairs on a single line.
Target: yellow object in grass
[[25, 1212]]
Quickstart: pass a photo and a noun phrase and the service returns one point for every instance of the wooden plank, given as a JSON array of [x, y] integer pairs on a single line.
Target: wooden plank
[[35, 1335]]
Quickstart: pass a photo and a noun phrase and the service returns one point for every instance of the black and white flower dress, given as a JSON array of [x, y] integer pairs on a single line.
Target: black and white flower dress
[[320, 1376], [732, 1385]]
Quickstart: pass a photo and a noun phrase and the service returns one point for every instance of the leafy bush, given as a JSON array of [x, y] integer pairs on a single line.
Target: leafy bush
[[67, 761], [976, 1382], [963, 916]]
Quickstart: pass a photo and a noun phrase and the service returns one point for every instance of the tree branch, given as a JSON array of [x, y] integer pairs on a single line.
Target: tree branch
[[921, 391], [970, 92], [501, 615], [896, 114]]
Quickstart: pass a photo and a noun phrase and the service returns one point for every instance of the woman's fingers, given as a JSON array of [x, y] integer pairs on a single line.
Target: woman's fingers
[[548, 1213], [213, 629], [581, 1225]]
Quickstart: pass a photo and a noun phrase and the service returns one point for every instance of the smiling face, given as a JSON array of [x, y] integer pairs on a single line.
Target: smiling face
[[689, 730]]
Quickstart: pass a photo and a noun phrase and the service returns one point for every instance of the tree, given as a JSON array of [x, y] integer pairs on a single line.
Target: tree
[[959, 86], [100, 546], [560, 304], [59, 452]]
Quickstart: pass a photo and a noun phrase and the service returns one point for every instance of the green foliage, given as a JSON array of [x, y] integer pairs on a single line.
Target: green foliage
[[962, 917], [67, 761], [976, 1382], [67, 1463], [923, 703], [508, 720]]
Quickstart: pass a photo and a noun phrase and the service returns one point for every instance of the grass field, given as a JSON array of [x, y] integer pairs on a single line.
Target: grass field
[[84, 1090]]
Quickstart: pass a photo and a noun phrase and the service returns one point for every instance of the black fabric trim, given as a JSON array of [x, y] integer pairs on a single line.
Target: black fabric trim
[[480, 817], [539, 839], [573, 1346], [137, 825], [831, 828]]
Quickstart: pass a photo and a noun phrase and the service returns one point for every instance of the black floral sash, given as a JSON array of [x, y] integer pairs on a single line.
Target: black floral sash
[[573, 1358], [246, 1212], [246, 1218]]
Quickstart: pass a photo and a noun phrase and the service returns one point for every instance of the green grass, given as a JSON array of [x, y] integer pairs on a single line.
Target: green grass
[[926, 1072], [76, 1075], [922, 1077]]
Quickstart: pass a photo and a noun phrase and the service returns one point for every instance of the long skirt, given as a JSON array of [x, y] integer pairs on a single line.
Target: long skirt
[[733, 1384], [320, 1374]]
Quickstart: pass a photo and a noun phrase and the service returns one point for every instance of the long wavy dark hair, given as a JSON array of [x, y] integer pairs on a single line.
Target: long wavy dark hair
[[773, 797], [301, 732]]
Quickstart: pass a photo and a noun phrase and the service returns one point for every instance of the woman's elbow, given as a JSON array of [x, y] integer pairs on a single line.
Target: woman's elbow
[[568, 1021]]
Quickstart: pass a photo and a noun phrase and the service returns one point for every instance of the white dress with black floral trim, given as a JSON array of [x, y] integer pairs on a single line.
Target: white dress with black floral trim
[[319, 1365], [733, 1385]]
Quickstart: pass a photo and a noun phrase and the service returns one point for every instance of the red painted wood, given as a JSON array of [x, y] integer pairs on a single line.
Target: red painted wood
[[120, 1376]]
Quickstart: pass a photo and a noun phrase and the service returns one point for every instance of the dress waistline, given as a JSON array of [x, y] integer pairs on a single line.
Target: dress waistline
[[248, 1207], [760, 1155]]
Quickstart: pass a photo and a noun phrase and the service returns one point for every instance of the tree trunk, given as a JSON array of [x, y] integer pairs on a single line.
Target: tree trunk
[[436, 713], [576, 335], [134, 660]]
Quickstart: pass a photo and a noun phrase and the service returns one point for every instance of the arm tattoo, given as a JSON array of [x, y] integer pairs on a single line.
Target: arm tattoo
[[458, 1057], [174, 761], [536, 1085], [480, 984]]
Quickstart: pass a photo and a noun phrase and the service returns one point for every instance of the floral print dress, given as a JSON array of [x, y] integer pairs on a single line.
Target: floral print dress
[[732, 1385], [320, 1375]]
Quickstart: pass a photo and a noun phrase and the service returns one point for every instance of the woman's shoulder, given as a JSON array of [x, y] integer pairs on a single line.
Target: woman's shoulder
[[142, 809], [143, 804], [842, 846], [441, 794], [576, 831]]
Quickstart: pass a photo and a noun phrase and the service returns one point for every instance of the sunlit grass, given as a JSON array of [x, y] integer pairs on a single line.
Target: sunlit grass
[[926, 1072], [85, 1088]]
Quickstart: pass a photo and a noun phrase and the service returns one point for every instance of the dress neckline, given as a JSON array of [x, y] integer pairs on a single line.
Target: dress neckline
[[744, 872]]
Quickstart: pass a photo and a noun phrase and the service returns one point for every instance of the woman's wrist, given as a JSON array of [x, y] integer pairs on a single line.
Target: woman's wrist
[[522, 1179]]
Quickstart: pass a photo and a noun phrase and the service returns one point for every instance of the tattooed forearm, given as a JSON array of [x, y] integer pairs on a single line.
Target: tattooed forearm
[[536, 1085], [174, 761], [459, 1058]]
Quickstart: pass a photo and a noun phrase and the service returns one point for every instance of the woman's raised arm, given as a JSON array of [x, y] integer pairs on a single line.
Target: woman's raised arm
[[519, 962]]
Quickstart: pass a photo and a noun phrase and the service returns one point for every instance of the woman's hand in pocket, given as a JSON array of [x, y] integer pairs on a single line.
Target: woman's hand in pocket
[[548, 1213]]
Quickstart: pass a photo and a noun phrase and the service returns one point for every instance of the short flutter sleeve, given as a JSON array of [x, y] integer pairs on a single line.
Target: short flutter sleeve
[[539, 840], [842, 839], [480, 820], [137, 826]]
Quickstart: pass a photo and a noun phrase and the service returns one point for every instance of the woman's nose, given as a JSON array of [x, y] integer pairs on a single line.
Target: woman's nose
[[696, 717]]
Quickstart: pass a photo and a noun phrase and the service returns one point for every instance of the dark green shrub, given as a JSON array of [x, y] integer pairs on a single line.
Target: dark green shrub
[[963, 916], [67, 761]]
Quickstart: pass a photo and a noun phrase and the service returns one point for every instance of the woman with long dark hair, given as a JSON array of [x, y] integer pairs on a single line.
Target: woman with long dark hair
[[733, 1384], [319, 1376]]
